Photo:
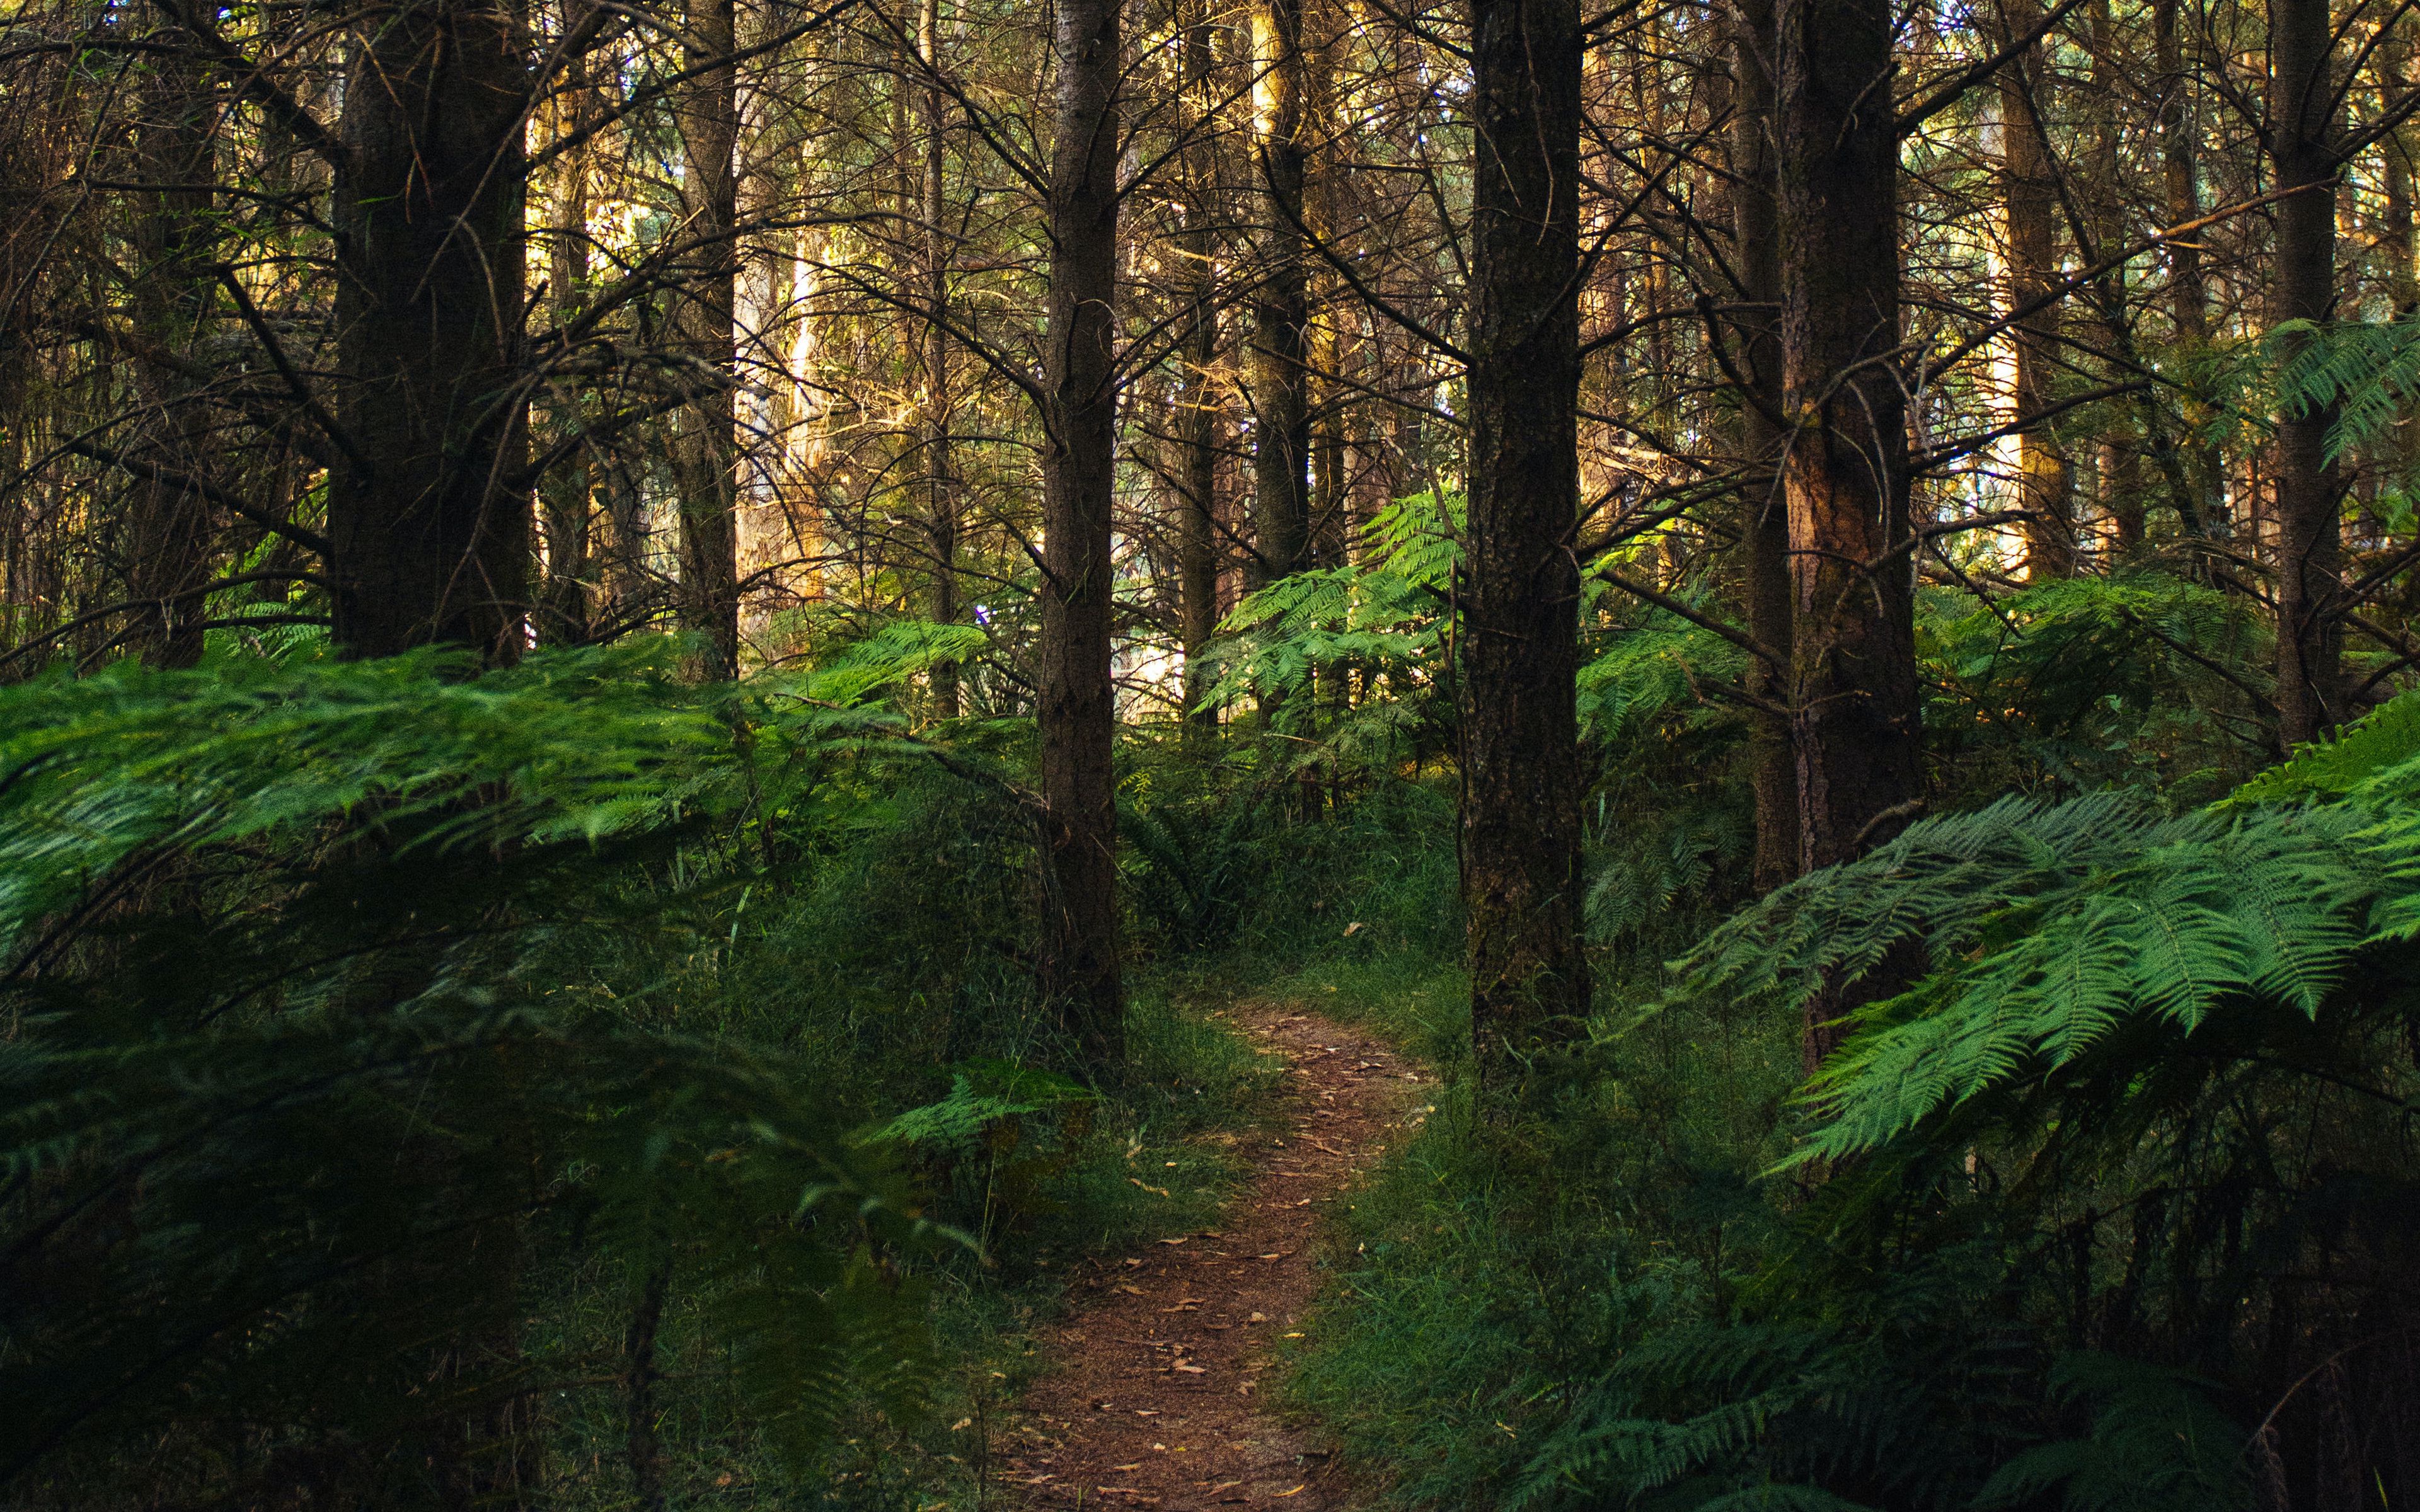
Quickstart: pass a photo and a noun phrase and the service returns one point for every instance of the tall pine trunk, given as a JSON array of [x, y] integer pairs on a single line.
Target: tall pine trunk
[[168, 556], [705, 453], [1852, 645], [2197, 505], [429, 529], [1764, 523], [564, 609], [1280, 301], [1080, 933], [1197, 407], [2029, 197], [2303, 158], [941, 501], [1520, 821]]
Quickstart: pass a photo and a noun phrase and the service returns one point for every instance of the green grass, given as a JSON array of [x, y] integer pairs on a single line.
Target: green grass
[[1487, 1271]]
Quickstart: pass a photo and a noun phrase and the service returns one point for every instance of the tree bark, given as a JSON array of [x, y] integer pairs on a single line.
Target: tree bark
[[941, 502], [2029, 196], [1520, 821], [431, 542], [1080, 944], [169, 551], [2303, 158], [1764, 523], [705, 453], [1280, 301], [1198, 405], [2188, 295], [1845, 479], [564, 617]]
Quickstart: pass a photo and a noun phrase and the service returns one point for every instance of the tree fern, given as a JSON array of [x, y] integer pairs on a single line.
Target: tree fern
[[295, 1096], [2368, 371]]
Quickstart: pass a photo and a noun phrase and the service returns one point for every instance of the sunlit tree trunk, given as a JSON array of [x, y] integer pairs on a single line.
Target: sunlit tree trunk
[[1845, 479], [706, 451], [1521, 787], [1080, 944], [1281, 300], [2029, 199], [941, 502], [428, 523], [564, 607], [1198, 402]]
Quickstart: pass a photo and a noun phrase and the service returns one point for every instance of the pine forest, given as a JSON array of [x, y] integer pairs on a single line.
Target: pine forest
[[1326, 755]]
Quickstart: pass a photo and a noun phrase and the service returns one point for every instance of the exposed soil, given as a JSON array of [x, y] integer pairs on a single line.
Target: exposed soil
[[1154, 1393]]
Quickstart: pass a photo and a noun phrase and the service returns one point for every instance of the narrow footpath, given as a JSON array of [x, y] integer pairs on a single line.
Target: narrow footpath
[[1154, 1394]]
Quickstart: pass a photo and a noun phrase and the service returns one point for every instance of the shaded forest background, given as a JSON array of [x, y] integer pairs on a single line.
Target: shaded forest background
[[656, 658]]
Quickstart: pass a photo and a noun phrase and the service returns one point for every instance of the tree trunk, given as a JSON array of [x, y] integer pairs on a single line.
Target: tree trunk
[[168, 557], [941, 502], [1520, 596], [2310, 546], [563, 617], [641, 1443], [1764, 523], [1281, 302], [1197, 415], [705, 453], [1845, 478], [2188, 296], [431, 542], [2029, 195], [1080, 944]]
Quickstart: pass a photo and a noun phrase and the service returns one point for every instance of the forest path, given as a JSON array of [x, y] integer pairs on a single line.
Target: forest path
[[1152, 1398]]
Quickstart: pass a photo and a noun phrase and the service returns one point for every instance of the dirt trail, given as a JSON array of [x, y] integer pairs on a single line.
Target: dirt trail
[[1154, 1393]]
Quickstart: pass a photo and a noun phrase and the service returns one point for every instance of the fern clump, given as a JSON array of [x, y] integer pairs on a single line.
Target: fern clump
[[300, 1118]]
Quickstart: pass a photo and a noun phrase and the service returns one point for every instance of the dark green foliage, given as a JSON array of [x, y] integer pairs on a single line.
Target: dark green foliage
[[298, 1116], [2085, 1220]]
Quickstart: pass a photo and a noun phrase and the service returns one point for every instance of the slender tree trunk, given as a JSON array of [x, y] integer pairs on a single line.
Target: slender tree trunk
[[2188, 296], [565, 506], [1080, 944], [169, 553], [1845, 478], [706, 453], [2394, 232], [641, 1444], [1520, 596], [2310, 546], [430, 534], [941, 502], [2122, 446], [1197, 407], [1281, 302], [2029, 196], [1764, 514]]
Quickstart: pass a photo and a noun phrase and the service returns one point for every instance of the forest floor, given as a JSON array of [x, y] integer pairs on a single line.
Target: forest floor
[[1152, 1396]]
